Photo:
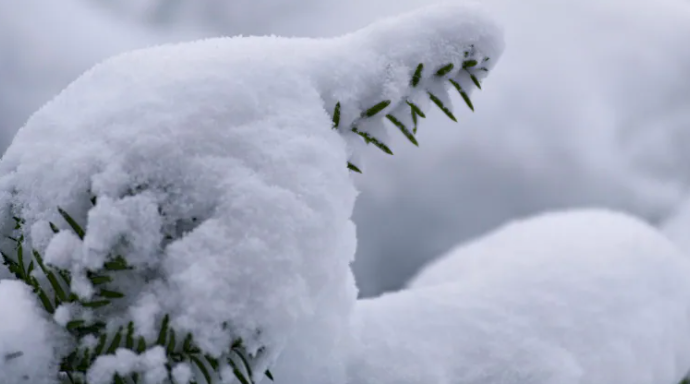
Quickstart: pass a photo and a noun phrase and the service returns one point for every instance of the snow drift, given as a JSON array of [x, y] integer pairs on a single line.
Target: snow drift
[[587, 296]]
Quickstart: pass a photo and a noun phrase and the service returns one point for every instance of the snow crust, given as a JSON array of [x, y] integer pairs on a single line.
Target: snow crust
[[588, 296], [217, 174]]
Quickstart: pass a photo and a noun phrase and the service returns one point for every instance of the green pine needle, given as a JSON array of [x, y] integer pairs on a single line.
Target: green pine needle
[[475, 81], [376, 108], [164, 331], [129, 339], [444, 70], [336, 116], [110, 294], [245, 362], [462, 94], [417, 110], [469, 64], [371, 139], [417, 77], [72, 223], [403, 129], [353, 167], [171, 342], [115, 344], [442, 107], [235, 369], [202, 368]]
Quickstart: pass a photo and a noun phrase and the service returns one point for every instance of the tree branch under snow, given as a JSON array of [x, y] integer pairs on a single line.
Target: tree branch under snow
[[192, 200]]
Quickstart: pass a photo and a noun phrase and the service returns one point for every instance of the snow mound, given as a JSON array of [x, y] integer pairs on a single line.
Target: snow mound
[[214, 169], [28, 341], [572, 297]]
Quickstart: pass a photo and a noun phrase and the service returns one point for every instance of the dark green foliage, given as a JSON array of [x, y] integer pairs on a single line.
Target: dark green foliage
[[442, 107], [462, 94], [403, 129], [369, 139], [445, 70], [416, 112], [376, 108], [417, 76], [336, 116]]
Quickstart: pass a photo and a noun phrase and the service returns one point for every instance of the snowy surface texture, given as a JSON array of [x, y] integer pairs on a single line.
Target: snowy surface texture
[[28, 341], [569, 297], [221, 180]]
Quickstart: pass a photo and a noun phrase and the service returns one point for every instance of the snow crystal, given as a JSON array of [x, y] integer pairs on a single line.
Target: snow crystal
[[28, 340], [587, 296], [213, 167]]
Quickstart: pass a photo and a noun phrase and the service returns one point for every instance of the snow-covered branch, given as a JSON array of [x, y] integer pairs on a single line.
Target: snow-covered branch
[[190, 203]]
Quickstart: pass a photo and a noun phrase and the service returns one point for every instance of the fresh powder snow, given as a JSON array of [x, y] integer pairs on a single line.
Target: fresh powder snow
[[583, 296], [213, 166]]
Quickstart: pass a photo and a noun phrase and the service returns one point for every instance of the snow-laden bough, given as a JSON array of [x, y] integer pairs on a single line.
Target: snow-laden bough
[[191, 203]]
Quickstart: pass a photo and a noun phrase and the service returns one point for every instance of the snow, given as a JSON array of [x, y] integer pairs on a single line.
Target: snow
[[582, 296], [586, 107], [44, 45], [222, 181], [123, 362], [677, 226], [28, 341]]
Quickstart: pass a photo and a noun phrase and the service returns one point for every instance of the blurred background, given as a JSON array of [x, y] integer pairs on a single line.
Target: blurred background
[[588, 107]]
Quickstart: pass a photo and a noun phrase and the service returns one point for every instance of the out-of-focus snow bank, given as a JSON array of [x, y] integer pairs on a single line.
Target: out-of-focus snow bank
[[44, 45], [572, 297]]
